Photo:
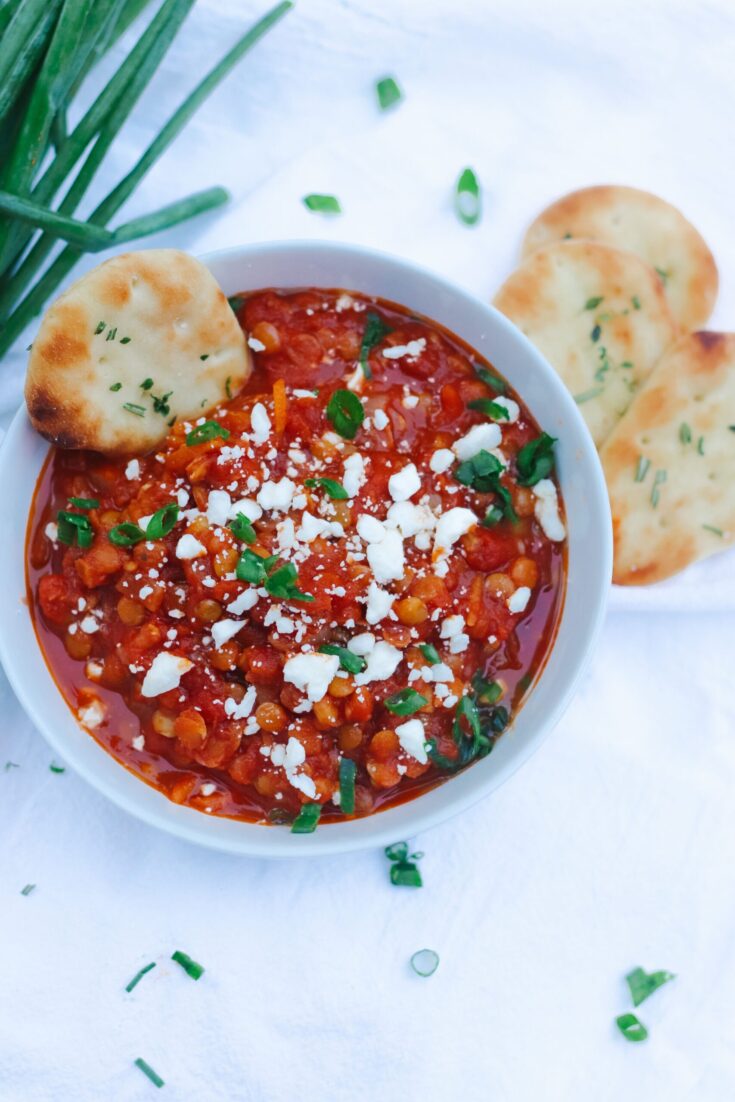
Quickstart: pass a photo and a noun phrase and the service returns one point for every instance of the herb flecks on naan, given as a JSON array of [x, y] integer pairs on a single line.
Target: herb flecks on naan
[[629, 218], [670, 463], [600, 317], [135, 344]]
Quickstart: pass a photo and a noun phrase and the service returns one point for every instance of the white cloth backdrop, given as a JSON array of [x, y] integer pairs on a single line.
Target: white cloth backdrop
[[615, 845]]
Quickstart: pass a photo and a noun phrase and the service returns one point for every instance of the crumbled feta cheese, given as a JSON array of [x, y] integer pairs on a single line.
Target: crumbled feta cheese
[[404, 483], [412, 349], [92, 713], [354, 473], [52, 531], [94, 670], [243, 602], [276, 496], [450, 527], [546, 510], [362, 644], [224, 630], [165, 673], [411, 520], [145, 591], [440, 671], [208, 789], [451, 626], [482, 437], [382, 662], [387, 558], [247, 507], [517, 601], [255, 344], [312, 527], [344, 302], [260, 423], [189, 547], [312, 673], [412, 738], [138, 742], [380, 419], [441, 460], [219, 504], [459, 643], [133, 469], [241, 709], [182, 497], [512, 407], [89, 625], [379, 603], [410, 401]]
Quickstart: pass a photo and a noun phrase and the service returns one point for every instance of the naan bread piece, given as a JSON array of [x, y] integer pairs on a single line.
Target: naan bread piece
[[141, 339], [600, 317], [631, 219], [670, 463]]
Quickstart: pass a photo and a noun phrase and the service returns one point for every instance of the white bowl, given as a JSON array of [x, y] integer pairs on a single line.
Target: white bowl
[[319, 264]]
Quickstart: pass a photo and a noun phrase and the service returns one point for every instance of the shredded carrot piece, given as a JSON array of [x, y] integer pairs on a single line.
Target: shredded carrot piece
[[279, 404]]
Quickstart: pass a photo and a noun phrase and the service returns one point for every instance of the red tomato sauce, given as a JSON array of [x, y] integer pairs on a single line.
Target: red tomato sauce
[[238, 735]]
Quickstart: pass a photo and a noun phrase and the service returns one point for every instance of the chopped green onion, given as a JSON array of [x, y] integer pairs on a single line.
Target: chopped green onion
[[430, 653], [162, 522], [405, 702], [208, 431], [489, 408], [146, 384], [642, 468], [190, 966], [353, 663], [126, 534], [347, 773], [397, 851], [28, 889], [593, 303], [147, 1070], [333, 489], [345, 411], [658, 479], [403, 871], [631, 1028], [116, 386], [642, 984], [467, 198], [74, 528], [307, 819], [715, 531], [236, 303], [487, 692], [685, 433], [139, 976], [100, 328], [242, 529], [322, 204], [125, 340], [388, 92], [375, 331], [282, 583], [57, 768], [535, 460], [493, 381], [425, 962], [84, 502], [111, 334], [493, 516], [251, 568], [133, 407]]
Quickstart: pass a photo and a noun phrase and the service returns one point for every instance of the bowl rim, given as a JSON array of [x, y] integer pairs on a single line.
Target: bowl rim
[[258, 840]]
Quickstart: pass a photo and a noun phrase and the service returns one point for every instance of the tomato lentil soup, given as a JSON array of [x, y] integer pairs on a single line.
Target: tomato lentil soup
[[322, 598]]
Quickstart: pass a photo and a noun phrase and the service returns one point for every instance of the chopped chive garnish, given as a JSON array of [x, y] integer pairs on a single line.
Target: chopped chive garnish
[[162, 522], [111, 334], [208, 431], [642, 984], [493, 381], [596, 333], [190, 966], [535, 460], [345, 411], [100, 327], [333, 489], [347, 774], [56, 768], [160, 403], [322, 204], [28, 889], [405, 702], [147, 1070], [403, 871], [593, 303], [242, 529], [388, 92], [307, 819], [489, 408], [685, 433], [642, 468], [587, 395], [631, 1027], [204, 356], [658, 479], [282, 583], [468, 198], [139, 976], [375, 331], [430, 653], [74, 528], [126, 534], [132, 407], [700, 445], [116, 386], [85, 502], [353, 663], [146, 384], [125, 340], [715, 531], [425, 962]]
